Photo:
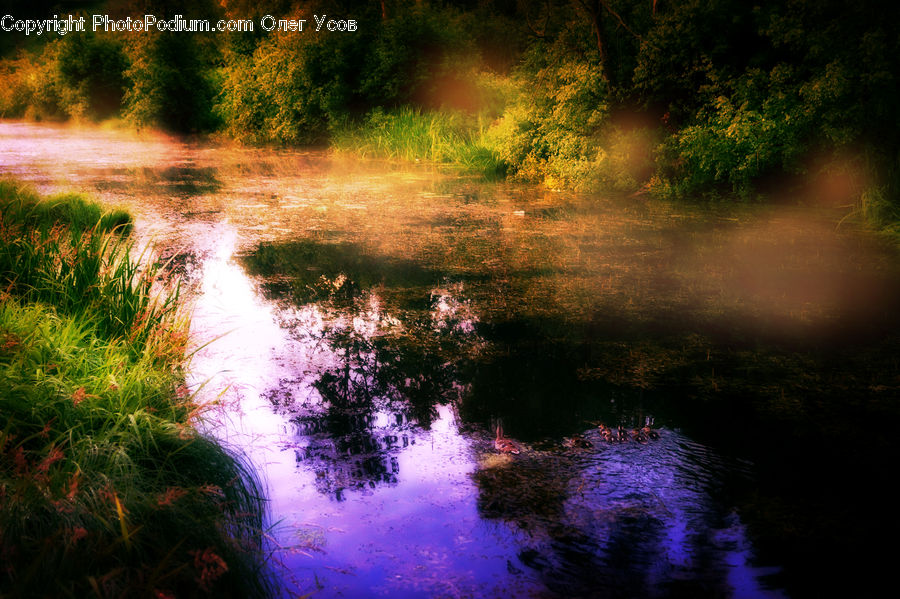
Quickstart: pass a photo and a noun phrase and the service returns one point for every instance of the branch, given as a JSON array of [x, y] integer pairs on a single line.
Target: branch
[[531, 26]]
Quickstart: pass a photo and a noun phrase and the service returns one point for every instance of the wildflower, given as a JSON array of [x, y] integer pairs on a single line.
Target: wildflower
[[158, 594], [10, 341], [210, 566], [182, 391], [212, 490], [73, 486], [20, 461], [78, 396], [107, 493], [45, 432], [78, 533], [54, 455], [171, 495], [62, 506]]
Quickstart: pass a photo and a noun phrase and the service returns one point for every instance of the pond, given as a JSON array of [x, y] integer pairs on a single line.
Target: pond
[[364, 331]]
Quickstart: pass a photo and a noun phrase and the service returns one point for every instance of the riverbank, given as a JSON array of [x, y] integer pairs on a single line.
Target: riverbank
[[106, 488]]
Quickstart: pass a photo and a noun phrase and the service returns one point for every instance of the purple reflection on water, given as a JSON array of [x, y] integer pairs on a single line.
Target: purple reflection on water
[[376, 499]]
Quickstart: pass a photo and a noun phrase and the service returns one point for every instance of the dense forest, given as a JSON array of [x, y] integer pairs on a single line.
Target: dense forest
[[723, 99]]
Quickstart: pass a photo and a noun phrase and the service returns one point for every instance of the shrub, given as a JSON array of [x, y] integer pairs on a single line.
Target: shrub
[[421, 57], [92, 74], [290, 89], [31, 87], [551, 131], [169, 83]]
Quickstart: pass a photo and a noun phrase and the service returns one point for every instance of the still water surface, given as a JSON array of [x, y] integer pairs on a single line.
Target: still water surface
[[371, 324]]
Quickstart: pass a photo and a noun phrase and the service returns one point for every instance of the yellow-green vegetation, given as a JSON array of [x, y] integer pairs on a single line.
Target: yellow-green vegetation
[[686, 100], [106, 489], [413, 135]]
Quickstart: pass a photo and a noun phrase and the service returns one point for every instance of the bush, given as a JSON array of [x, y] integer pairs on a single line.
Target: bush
[[295, 89], [31, 87], [169, 83], [291, 88], [733, 146], [551, 131], [92, 75], [79, 76], [422, 57]]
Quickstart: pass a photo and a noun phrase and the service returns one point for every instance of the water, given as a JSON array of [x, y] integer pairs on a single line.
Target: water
[[368, 325]]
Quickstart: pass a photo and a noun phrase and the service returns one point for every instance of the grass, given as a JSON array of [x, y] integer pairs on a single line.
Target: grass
[[105, 487], [26, 208], [412, 135]]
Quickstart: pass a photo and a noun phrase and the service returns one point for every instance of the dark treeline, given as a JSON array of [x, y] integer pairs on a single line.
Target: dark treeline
[[682, 99]]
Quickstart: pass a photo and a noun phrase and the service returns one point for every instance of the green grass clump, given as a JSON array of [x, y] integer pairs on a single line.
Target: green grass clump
[[25, 207], [413, 135], [105, 487]]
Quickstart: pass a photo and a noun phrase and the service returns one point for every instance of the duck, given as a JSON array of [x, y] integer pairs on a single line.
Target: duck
[[577, 442], [639, 436], [650, 433], [605, 433], [504, 445]]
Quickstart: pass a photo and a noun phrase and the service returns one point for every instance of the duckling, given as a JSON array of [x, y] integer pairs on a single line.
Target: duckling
[[577, 442], [650, 433], [621, 434], [504, 445], [605, 433], [639, 436]]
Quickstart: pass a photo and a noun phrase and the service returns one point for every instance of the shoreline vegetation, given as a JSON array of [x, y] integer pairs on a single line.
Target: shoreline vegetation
[[106, 488], [692, 101]]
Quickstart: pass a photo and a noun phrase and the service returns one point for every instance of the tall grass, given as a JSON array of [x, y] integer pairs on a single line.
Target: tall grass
[[105, 487], [24, 207], [412, 135]]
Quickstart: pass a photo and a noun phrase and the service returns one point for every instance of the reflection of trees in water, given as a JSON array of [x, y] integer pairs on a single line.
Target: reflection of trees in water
[[384, 378], [349, 451], [387, 363]]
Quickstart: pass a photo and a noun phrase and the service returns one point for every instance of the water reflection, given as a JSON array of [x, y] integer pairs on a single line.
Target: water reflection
[[371, 323], [627, 520], [594, 518], [369, 378]]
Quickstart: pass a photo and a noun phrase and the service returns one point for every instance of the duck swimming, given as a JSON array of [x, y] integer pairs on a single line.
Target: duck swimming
[[639, 436], [605, 433], [649, 433]]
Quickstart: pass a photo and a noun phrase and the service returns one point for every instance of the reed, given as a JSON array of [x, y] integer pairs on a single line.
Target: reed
[[106, 488]]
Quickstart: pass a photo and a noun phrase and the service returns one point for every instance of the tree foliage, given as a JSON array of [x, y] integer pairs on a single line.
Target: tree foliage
[[728, 94]]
